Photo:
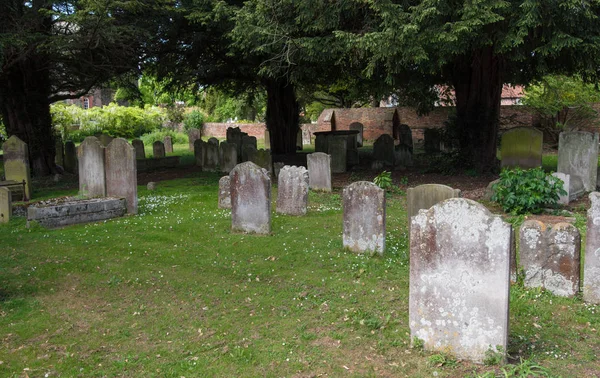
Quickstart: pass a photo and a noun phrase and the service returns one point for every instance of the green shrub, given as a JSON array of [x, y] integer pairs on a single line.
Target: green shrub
[[384, 180], [177, 138], [526, 191], [193, 120]]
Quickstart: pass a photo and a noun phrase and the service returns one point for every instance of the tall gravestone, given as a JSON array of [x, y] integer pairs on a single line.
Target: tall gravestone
[[121, 173], [158, 149], [140, 153], [319, 171], [193, 136], [292, 190], [578, 157], [168, 143], [5, 205], [92, 179], [250, 199], [591, 266], [459, 279], [70, 157], [550, 257], [364, 217], [211, 157], [228, 153], [427, 195], [360, 128], [522, 147], [16, 163], [60, 152], [225, 192], [199, 152], [383, 149], [338, 150]]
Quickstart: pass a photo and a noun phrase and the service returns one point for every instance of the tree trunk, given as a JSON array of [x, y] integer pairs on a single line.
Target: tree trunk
[[478, 83], [282, 116], [24, 91]]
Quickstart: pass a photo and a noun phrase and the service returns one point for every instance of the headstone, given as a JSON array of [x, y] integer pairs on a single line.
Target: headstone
[[225, 192], [234, 135], [364, 217], [199, 152], [338, 150], [267, 139], [403, 156], [299, 145], [433, 140], [228, 153], [359, 137], [140, 153], [522, 147], [193, 135], [16, 163], [292, 190], [92, 180], [578, 157], [121, 173], [250, 199], [306, 136], [459, 279], [248, 152], [248, 141], [211, 157], [5, 205], [550, 257], [405, 136], [262, 158], [168, 142], [566, 179], [591, 265], [214, 141], [427, 195], [105, 139], [158, 149], [319, 171], [70, 157], [383, 149], [59, 152]]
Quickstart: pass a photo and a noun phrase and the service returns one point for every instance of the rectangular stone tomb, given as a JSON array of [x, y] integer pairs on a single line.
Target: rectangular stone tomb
[[59, 214]]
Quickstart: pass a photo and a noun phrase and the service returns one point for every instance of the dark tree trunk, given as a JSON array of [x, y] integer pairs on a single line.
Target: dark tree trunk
[[478, 83], [282, 116]]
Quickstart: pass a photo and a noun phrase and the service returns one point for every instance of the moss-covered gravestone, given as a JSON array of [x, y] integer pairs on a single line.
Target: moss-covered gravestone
[[16, 163], [522, 147]]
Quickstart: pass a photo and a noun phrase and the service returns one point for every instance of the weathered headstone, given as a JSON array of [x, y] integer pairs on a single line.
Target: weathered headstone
[[578, 157], [566, 179], [199, 152], [360, 128], [70, 157], [427, 195], [225, 192], [228, 152], [158, 149], [383, 149], [193, 135], [306, 136], [591, 266], [292, 190], [140, 153], [168, 143], [522, 147], [250, 199], [16, 163], [60, 152], [364, 217], [403, 156], [405, 136], [5, 205], [211, 157], [105, 139], [121, 172], [550, 257], [234, 135], [338, 150], [432, 140], [319, 171], [459, 279], [248, 141], [92, 180], [262, 158]]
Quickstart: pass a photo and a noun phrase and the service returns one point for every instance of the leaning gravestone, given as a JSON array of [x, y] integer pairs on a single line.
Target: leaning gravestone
[[140, 153], [292, 190], [427, 195], [211, 157], [578, 157], [70, 157], [121, 173], [319, 171], [228, 153], [550, 257], [338, 150], [199, 152], [459, 279], [405, 136], [92, 180], [250, 199], [591, 265], [193, 135], [364, 217], [16, 163], [225, 192], [383, 149], [168, 143], [522, 147], [158, 149], [5, 205], [359, 137]]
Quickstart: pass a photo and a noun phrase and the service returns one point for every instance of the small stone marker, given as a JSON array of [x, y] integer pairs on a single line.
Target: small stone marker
[[211, 157], [193, 135], [59, 156], [92, 180], [70, 157], [359, 137], [427, 195], [5, 205], [319, 171], [199, 152], [550, 257], [591, 266], [292, 190], [250, 199], [262, 158], [383, 149], [228, 156], [364, 217], [158, 149], [578, 157], [16, 163], [121, 173], [168, 142], [566, 179], [522, 147], [225, 192], [140, 153], [338, 150], [459, 279]]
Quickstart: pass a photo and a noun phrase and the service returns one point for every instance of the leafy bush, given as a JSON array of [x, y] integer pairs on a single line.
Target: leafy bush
[[177, 138], [193, 120], [526, 191], [384, 180]]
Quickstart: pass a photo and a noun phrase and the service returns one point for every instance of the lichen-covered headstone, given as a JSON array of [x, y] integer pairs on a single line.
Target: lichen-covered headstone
[[225, 192], [5, 205], [338, 150], [70, 157], [522, 147], [360, 128], [16, 163], [319, 171], [578, 157], [566, 179], [591, 266], [228, 153], [211, 157], [383, 149], [158, 149], [427, 195], [459, 279], [168, 142], [262, 158], [292, 190], [121, 173], [364, 217], [193, 136], [199, 152], [140, 153], [250, 199], [92, 180], [550, 257]]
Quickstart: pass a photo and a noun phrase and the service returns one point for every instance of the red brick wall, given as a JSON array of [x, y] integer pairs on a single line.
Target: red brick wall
[[219, 130]]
